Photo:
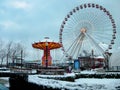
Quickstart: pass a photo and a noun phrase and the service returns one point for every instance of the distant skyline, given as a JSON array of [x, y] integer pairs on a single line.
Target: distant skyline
[[27, 21]]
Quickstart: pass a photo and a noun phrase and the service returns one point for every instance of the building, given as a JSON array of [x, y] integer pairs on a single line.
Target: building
[[114, 62], [88, 62]]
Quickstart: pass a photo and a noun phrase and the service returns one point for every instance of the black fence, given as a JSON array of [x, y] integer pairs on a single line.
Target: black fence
[[100, 76]]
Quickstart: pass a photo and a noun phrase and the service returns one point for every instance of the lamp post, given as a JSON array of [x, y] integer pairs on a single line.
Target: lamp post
[[46, 54]]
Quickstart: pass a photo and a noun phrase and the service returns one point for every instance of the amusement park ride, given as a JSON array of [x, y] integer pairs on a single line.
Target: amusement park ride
[[83, 29], [81, 32], [46, 45]]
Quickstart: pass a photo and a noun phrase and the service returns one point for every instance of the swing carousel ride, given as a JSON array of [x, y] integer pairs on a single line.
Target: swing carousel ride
[[46, 45]]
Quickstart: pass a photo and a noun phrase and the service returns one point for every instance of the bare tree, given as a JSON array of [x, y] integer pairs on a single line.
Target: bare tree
[[19, 52], [2, 51], [18, 47], [9, 52], [2, 55]]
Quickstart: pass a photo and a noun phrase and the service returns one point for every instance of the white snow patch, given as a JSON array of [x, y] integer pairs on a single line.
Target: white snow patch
[[79, 84], [88, 72]]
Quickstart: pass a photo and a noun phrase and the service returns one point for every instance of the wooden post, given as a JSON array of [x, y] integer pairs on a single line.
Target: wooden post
[[7, 60], [13, 58]]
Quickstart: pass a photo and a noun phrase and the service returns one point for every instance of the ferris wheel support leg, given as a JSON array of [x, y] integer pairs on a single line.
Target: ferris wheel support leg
[[107, 63]]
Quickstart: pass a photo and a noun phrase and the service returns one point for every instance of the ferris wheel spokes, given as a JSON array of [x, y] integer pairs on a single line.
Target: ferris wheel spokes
[[75, 45], [94, 42]]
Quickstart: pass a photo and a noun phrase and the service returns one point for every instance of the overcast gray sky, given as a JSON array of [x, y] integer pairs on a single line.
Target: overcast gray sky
[[31, 20]]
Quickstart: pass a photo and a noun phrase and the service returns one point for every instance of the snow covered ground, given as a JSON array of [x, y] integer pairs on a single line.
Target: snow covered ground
[[4, 69], [79, 84]]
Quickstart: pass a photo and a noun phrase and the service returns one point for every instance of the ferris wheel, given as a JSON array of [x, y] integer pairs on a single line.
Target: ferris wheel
[[87, 28]]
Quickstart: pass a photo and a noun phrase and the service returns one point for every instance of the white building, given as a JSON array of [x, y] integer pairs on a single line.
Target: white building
[[114, 62]]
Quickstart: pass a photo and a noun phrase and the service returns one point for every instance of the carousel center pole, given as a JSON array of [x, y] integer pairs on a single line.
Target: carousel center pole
[[46, 54]]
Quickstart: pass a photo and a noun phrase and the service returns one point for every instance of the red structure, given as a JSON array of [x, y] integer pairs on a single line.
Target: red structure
[[88, 62], [46, 45]]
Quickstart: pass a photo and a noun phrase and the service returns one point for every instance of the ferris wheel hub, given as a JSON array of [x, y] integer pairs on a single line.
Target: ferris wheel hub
[[83, 30]]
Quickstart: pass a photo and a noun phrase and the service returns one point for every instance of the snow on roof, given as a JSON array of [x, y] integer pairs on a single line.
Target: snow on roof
[[47, 39], [99, 57]]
